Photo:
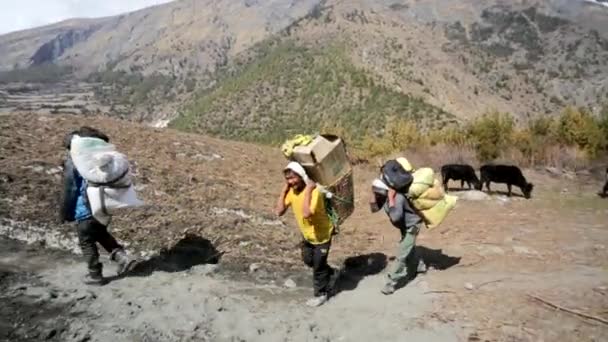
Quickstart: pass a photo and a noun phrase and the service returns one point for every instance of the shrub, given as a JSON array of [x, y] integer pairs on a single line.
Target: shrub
[[571, 141], [603, 122], [578, 127], [451, 135], [402, 134], [491, 134]]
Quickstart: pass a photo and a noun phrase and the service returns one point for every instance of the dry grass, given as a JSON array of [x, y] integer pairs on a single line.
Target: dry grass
[[217, 189]]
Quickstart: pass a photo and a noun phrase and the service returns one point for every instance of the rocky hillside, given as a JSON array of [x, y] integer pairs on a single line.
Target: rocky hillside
[[296, 65], [362, 62], [174, 38]]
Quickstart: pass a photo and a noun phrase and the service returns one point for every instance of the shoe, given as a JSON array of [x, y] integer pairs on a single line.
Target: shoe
[[317, 301], [388, 289], [125, 263], [421, 267], [94, 279]]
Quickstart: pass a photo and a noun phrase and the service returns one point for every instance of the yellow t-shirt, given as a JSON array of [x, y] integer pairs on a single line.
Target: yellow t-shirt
[[318, 228]]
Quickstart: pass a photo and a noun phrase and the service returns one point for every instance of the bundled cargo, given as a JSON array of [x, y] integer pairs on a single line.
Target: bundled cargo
[[425, 191], [298, 140], [109, 185], [325, 160]]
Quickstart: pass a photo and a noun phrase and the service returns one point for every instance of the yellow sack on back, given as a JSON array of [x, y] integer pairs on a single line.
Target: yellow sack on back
[[405, 164], [435, 192], [424, 203], [427, 195], [434, 216], [423, 180], [297, 140]]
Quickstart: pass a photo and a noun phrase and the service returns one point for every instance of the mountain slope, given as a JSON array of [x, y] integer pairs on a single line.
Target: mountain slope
[[361, 62], [174, 38], [418, 59], [292, 88]]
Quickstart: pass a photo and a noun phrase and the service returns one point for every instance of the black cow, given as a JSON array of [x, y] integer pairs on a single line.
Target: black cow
[[509, 174], [461, 172], [605, 190]]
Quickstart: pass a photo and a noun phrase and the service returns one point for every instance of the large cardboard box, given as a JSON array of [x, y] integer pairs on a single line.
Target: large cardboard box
[[324, 159], [326, 163]]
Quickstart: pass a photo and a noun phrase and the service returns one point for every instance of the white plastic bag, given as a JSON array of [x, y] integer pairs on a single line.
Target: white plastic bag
[[106, 170], [107, 201], [98, 161]]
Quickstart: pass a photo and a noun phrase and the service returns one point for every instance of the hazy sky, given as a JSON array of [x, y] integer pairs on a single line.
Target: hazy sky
[[21, 14]]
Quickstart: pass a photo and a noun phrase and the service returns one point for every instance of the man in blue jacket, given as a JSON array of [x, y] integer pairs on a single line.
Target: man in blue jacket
[[75, 207]]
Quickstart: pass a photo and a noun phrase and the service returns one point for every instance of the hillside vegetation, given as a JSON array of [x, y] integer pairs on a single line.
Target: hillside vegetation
[[291, 88], [574, 139], [365, 59]]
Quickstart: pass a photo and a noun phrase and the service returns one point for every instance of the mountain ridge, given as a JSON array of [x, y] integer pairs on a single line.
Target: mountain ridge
[[524, 57]]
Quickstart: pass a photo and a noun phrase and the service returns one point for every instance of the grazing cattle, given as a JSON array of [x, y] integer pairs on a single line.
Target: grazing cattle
[[605, 190], [511, 175], [461, 172]]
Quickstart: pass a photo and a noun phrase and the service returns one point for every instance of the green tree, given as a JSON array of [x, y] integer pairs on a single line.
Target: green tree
[[491, 134]]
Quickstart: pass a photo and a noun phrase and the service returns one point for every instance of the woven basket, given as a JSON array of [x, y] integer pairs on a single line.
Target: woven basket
[[343, 199]]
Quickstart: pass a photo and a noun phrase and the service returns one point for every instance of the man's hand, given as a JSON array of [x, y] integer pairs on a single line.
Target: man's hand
[[281, 207], [373, 203], [392, 194]]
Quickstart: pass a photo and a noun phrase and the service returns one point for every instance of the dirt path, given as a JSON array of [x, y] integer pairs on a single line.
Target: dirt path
[[43, 298], [487, 257]]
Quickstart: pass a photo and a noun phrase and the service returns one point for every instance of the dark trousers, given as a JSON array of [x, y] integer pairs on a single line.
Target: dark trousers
[[315, 256], [91, 232]]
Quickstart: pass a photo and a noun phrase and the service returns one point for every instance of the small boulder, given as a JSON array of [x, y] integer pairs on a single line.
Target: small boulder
[[290, 284], [206, 269], [254, 268], [502, 199], [6, 178], [553, 171], [244, 243], [473, 195]]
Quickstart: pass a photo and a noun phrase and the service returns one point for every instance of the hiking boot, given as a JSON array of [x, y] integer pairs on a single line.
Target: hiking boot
[[388, 289], [125, 263], [94, 279], [317, 301]]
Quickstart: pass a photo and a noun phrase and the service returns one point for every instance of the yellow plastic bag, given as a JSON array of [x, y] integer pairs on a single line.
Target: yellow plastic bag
[[435, 192], [424, 204], [423, 180], [297, 140], [427, 195], [434, 216], [405, 164]]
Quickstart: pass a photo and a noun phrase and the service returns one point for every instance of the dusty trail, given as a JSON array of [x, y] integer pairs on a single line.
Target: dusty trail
[[43, 298]]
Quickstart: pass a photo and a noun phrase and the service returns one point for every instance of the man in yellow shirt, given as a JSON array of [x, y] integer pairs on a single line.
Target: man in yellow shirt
[[308, 205]]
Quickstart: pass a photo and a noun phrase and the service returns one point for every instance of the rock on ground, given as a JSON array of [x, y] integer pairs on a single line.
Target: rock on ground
[[472, 195]]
